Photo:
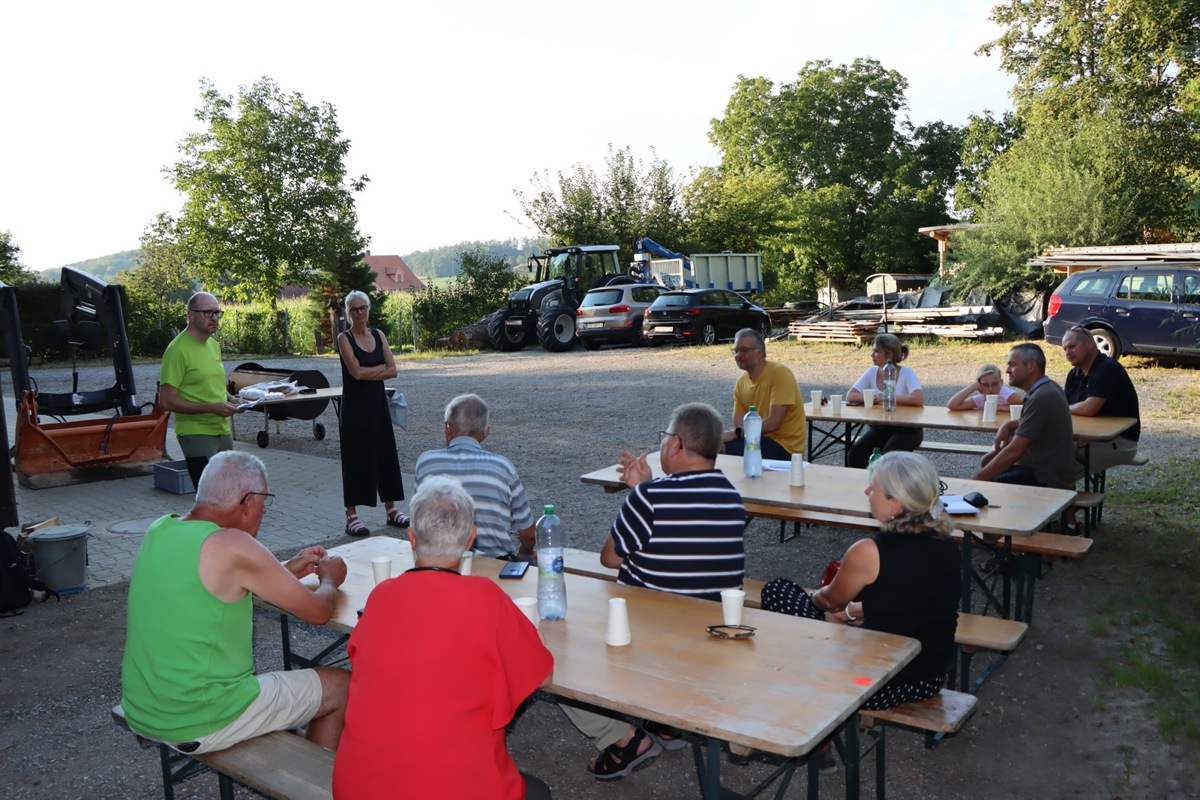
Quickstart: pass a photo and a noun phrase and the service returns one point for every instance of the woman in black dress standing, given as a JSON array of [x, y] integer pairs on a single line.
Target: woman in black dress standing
[[370, 466]]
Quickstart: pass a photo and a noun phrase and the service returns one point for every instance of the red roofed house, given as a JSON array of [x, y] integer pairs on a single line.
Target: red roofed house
[[392, 274]]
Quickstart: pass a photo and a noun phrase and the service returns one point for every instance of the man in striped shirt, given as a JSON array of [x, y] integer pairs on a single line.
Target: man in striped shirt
[[679, 533], [490, 479], [682, 532]]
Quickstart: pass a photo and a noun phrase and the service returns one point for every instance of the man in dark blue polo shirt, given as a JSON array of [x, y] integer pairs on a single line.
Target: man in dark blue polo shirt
[[1098, 386]]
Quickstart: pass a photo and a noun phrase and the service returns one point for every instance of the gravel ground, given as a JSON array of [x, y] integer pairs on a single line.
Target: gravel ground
[[1045, 728]]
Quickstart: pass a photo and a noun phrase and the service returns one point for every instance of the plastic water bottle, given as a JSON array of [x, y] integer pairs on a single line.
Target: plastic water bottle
[[889, 386], [752, 453], [875, 456], [552, 585]]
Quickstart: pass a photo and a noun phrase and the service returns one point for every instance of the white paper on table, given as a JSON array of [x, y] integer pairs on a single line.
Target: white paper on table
[[251, 404], [779, 465], [955, 504]]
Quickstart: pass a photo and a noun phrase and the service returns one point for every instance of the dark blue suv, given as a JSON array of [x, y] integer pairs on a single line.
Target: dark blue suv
[[1146, 310]]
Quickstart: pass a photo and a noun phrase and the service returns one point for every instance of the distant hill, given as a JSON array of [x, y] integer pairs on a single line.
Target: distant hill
[[442, 262], [104, 267]]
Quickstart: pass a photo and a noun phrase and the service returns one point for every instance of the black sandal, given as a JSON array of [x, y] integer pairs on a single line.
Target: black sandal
[[355, 527], [669, 738], [396, 519], [616, 761]]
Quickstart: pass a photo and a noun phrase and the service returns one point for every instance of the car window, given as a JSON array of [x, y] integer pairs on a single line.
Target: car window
[[671, 301], [712, 299], [606, 297], [1145, 287], [1191, 289], [733, 298], [645, 294], [1093, 286]]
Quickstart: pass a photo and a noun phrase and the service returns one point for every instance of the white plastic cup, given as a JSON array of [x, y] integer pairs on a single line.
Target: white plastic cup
[[816, 400], [797, 473], [868, 397], [381, 568], [618, 634], [528, 606], [464, 563], [989, 408], [835, 404], [1014, 412], [732, 601]]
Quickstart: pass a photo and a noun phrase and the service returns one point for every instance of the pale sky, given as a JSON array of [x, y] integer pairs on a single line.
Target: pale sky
[[449, 106]]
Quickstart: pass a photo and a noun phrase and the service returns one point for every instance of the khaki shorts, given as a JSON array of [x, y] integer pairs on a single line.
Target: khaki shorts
[[285, 700]]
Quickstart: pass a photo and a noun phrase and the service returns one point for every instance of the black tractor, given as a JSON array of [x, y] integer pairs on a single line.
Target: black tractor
[[546, 308]]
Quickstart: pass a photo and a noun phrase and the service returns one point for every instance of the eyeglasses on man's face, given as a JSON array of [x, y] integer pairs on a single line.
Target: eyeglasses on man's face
[[664, 434], [359, 309], [740, 350], [267, 497], [208, 313]]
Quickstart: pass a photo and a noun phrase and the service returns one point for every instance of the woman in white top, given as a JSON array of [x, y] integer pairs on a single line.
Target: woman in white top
[[987, 381], [908, 393]]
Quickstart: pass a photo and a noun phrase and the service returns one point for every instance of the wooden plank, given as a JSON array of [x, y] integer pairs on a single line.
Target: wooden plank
[[944, 713], [280, 765]]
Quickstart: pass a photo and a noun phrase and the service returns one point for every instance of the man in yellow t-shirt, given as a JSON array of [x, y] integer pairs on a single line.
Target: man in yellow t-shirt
[[192, 385], [772, 389]]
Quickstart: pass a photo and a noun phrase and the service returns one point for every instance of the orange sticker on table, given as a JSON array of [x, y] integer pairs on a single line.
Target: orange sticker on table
[[863, 681]]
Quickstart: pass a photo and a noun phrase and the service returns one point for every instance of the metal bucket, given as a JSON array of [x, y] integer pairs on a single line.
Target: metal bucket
[[60, 557]]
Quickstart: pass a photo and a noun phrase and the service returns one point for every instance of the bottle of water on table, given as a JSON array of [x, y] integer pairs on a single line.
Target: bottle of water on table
[[890, 374], [752, 452], [552, 586]]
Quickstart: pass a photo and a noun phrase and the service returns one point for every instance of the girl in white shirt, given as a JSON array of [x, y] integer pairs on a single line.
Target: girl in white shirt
[[987, 381], [908, 393]]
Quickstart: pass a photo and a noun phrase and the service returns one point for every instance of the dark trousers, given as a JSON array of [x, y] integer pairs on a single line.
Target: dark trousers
[[770, 449], [1022, 476], [535, 788], [887, 438]]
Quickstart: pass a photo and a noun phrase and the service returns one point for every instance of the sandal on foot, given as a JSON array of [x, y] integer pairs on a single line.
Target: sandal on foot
[[617, 761], [355, 527], [395, 519], [668, 738]]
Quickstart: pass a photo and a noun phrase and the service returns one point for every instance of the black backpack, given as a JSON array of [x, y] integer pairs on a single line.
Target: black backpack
[[16, 584]]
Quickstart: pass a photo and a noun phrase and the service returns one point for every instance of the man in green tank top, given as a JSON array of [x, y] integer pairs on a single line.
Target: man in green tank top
[[188, 675]]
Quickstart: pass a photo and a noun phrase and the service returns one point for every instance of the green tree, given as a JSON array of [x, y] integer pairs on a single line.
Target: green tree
[[268, 200], [1043, 193], [625, 202], [331, 285], [856, 179], [483, 283], [160, 267], [1133, 63], [985, 138], [12, 271]]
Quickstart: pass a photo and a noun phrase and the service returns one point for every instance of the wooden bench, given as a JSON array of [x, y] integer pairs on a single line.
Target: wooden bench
[[943, 714], [800, 517], [280, 765], [974, 632], [957, 448]]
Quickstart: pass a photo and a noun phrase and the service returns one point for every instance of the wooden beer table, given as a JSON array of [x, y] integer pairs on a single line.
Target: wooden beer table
[[784, 691], [840, 428], [1012, 510]]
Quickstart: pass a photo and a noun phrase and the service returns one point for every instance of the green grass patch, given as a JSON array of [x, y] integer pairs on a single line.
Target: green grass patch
[[1158, 536]]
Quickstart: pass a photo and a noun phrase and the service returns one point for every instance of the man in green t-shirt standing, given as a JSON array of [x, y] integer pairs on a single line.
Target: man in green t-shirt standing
[[192, 385]]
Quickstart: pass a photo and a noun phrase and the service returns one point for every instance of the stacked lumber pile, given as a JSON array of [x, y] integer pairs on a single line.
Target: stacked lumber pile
[[852, 332]]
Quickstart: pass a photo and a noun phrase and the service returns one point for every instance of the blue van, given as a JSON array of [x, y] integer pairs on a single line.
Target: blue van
[[1143, 309]]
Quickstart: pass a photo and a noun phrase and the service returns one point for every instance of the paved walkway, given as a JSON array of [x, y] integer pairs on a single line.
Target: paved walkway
[[307, 508]]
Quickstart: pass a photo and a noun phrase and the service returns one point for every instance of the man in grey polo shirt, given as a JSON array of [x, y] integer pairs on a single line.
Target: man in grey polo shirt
[[490, 479]]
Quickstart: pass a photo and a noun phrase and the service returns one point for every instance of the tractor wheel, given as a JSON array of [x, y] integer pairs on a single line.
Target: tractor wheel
[[615, 280], [502, 335], [556, 329]]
